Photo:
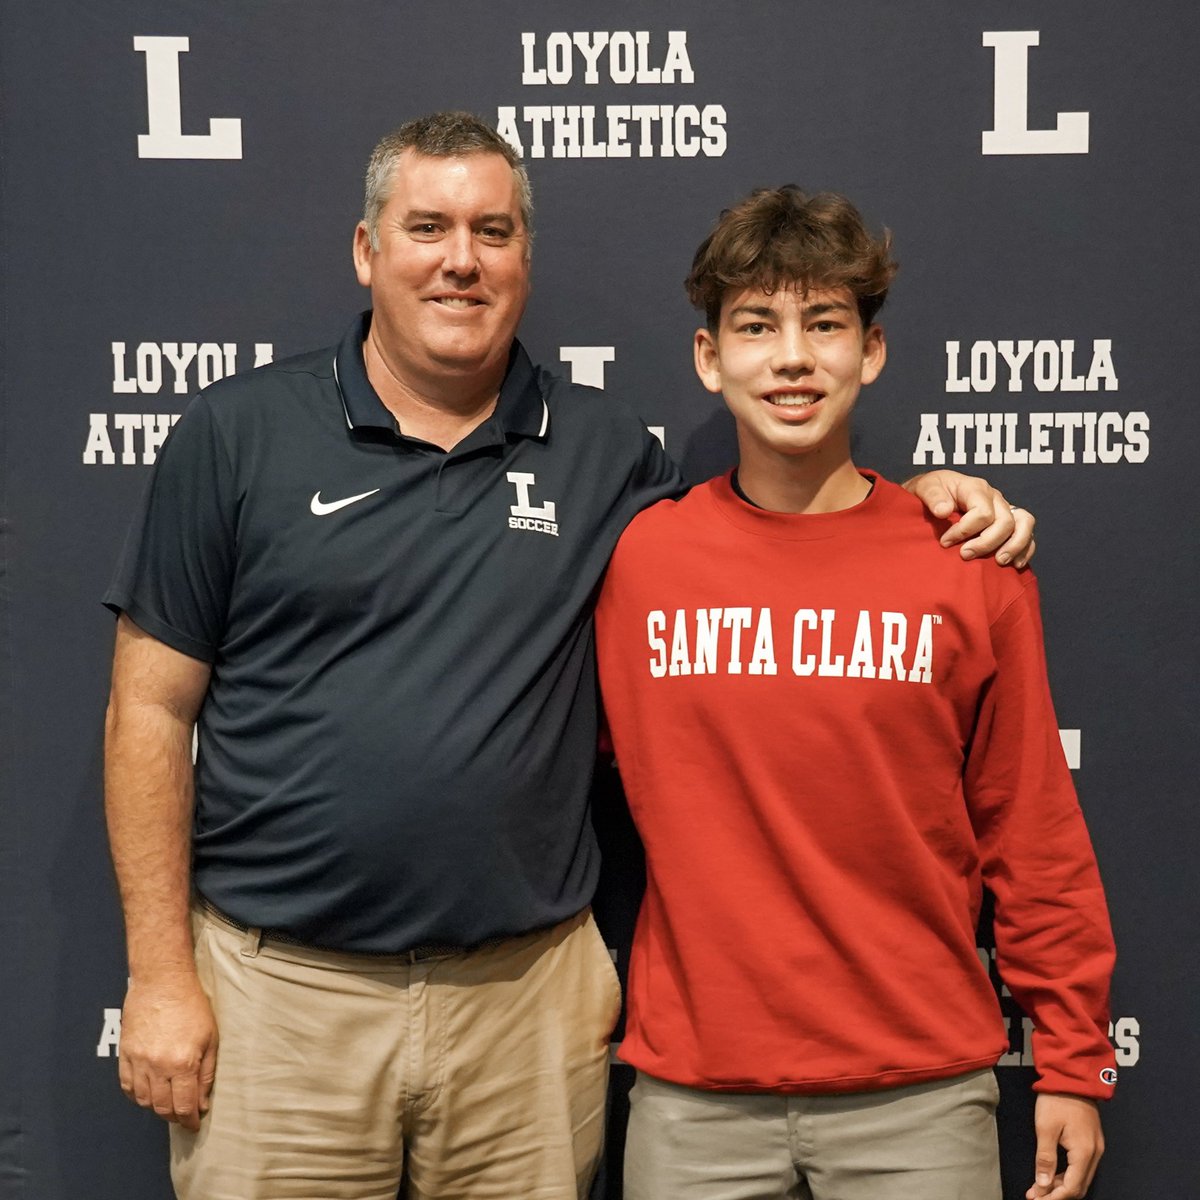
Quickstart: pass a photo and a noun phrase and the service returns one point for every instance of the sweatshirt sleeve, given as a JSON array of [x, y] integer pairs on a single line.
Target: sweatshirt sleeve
[[1054, 945]]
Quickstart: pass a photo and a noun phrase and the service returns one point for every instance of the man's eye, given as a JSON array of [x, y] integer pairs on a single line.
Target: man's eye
[[424, 229], [492, 233]]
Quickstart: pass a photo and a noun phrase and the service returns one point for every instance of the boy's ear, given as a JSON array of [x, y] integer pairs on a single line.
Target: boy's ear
[[874, 354], [707, 360]]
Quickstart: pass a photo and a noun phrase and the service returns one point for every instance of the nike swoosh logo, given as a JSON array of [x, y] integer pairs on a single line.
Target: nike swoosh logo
[[320, 508]]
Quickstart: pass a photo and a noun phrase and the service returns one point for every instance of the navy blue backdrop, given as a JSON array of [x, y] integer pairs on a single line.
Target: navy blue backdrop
[[178, 189]]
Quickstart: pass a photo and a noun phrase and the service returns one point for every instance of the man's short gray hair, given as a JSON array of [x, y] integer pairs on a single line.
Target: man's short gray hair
[[439, 135]]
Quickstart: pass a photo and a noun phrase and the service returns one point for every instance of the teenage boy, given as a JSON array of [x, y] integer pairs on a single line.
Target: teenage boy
[[833, 734]]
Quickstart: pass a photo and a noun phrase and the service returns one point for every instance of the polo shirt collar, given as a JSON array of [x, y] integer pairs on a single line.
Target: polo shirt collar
[[521, 408]]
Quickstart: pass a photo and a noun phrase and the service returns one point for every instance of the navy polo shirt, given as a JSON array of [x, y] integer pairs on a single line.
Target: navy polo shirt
[[397, 741]]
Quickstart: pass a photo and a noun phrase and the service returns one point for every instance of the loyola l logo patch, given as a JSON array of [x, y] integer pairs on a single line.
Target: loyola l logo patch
[[524, 515]]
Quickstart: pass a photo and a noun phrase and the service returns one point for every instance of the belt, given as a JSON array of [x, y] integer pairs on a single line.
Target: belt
[[414, 955]]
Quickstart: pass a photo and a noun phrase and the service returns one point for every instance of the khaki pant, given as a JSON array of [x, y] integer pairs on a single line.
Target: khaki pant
[[351, 1077], [930, 1141]]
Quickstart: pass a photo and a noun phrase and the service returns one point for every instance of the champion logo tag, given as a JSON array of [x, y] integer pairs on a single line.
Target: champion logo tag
[[321, 508], [1108, 1075], [539, 519]]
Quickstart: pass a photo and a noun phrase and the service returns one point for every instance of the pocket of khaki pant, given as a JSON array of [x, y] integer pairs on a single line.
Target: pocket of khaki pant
[[608, 970]]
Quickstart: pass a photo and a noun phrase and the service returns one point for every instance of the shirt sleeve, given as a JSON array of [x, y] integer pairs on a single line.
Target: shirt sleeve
[[176, 569], [1054, 945], [655, 477]]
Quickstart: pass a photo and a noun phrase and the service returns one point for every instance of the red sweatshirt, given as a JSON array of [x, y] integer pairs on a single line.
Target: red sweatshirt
[[832, 731]]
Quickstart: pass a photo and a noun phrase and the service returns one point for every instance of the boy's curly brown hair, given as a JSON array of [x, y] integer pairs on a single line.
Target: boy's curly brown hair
[[781, 237]]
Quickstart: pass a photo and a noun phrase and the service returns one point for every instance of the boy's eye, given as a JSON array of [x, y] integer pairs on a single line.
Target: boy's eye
[[754, 327]]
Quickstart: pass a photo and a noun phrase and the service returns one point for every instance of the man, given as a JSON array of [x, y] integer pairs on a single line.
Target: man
[[365, 576], [825, 761]]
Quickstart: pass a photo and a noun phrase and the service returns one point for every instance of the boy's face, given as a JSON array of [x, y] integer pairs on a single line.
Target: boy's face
[[790, 365]]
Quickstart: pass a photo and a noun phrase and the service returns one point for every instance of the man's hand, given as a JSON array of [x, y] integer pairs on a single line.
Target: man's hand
[[1073, 1123], [988, 525], [169, 1048]]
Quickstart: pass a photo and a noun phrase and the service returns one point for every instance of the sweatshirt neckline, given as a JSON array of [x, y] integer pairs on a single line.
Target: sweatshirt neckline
[[792, 526]]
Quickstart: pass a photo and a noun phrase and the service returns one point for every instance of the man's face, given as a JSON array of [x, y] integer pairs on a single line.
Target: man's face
[[450, 278], [790, 365]]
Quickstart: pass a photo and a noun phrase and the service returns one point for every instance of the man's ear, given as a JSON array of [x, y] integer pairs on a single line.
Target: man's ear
[[362, 254], [707, 360], [874, 354]]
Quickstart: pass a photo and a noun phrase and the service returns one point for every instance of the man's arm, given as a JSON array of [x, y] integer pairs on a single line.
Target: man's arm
[[168, 1035], [988, 525]]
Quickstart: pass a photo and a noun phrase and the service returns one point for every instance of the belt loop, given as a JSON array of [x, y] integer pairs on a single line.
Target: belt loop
[[251, 941]]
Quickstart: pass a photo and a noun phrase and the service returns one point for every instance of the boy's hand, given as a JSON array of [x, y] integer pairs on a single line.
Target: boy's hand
[[1073, 1123], [988, 525]]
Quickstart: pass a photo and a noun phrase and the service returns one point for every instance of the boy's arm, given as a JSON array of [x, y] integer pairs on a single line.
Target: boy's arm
[[988, 525], [1054, 945]]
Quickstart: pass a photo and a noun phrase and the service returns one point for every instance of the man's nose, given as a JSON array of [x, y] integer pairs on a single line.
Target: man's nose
[[460, 254]]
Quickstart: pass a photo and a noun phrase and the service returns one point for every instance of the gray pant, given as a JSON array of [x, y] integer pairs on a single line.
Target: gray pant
[[930, 1141]]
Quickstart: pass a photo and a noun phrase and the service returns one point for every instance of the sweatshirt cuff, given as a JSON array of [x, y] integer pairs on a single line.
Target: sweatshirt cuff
[[1094, 1079]]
